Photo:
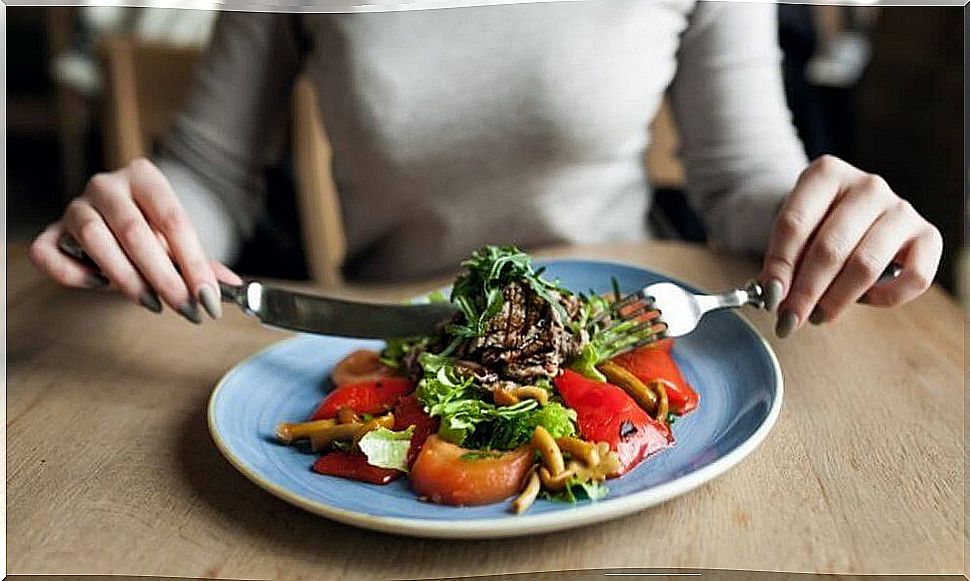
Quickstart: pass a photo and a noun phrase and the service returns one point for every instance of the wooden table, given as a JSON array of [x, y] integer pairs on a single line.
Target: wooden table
[[110, 468]]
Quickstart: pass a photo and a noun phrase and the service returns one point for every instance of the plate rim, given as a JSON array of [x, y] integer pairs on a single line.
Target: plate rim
[[522, 525]]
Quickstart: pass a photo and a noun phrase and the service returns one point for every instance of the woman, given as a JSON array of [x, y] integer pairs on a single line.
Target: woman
[[522, 124]]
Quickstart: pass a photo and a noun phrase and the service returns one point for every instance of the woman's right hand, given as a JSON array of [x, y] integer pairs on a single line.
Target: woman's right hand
[[131, 224]]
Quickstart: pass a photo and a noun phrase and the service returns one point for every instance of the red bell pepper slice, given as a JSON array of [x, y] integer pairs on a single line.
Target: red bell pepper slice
[[410, 412], [606, 413], [354, 467], [655, 362], [368, 397]]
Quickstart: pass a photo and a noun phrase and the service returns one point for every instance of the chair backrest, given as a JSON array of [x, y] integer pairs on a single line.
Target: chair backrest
[[663, 163], [146, 85], [322, 222], [148, 82]]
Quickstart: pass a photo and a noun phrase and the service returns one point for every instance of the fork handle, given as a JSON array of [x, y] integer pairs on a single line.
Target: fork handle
[[752, 294]]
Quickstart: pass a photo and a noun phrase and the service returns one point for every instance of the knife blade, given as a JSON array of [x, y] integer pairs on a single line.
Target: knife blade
[[309, 313]]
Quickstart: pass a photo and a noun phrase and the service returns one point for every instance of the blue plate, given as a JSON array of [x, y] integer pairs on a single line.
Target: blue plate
[[725, 359]]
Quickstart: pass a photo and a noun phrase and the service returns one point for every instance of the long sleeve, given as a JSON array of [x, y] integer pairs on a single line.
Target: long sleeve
[[231, 128], [740, 151]]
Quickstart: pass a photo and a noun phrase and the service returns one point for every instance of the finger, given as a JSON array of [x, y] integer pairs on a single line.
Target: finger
[[153, 194], [836, 239], [919, 259], [112, 200], [87, 226], [46, 256], [800, 215], [224, 273], [880, 245]]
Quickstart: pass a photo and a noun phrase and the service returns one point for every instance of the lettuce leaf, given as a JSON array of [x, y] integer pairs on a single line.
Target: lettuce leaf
[[468, 420], [386, 448]]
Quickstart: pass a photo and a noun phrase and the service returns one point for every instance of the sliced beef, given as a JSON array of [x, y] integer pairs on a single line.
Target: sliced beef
[[526, 340]]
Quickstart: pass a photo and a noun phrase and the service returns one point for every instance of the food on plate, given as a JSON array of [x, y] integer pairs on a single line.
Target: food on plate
[[530, 391]]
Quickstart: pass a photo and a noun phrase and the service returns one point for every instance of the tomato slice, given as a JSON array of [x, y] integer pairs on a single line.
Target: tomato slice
[[410, 412], [369, 397], [360, 366], [354, 467], [448, 474], [606, 413], [655, 362]]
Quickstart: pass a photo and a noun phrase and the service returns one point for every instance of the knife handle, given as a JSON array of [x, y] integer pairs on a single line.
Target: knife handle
[[68, 245]]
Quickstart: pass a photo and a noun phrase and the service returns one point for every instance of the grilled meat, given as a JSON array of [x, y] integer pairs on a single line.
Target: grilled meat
[[526, 340]]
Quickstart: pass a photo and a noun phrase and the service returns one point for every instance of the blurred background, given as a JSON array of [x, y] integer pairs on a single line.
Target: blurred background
[[88, 87]]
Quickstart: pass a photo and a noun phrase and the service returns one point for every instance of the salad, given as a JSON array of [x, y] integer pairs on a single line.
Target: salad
[[530, 390]]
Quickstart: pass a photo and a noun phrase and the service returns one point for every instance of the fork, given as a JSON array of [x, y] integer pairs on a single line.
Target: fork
[[672, 311]]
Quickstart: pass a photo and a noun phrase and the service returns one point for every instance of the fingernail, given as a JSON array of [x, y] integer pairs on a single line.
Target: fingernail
[[817, 317], [786, 324], [210, 302], [96, 280], [150, 301], [191, 312], [773, 296]]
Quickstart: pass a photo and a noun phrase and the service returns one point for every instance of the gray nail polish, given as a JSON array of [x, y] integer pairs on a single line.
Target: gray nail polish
[[150, 301], [96, 280], [786, 324], [210, 302], [773, 296], [817, 317], [191, 312]]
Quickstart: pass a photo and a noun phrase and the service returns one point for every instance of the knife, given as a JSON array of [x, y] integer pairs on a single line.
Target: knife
[[309, 313]]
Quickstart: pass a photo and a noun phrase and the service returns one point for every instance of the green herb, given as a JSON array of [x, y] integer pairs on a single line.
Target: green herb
[[480, 455], [543, 382], [576, 491], [585, 363], [511, 428], [342, 445], [396, 349], [386, 448], [608, 342], [478, 292], [468, 420]]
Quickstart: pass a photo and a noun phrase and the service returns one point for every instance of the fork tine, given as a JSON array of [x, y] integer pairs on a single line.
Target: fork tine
[[634, 309], [643, 314], [615, 307], [628, 300], [658, 330]]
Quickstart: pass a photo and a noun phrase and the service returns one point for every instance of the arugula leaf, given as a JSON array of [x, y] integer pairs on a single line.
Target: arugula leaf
[[396, 349], [576, 491], [478, 291], [386, 448], [606, 343]]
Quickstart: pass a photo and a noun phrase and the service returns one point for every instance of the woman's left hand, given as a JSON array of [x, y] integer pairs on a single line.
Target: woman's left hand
[[835, 234]]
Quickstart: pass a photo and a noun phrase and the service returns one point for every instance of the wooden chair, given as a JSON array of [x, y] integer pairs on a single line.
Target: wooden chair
[[663, 163], [147, 83]]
